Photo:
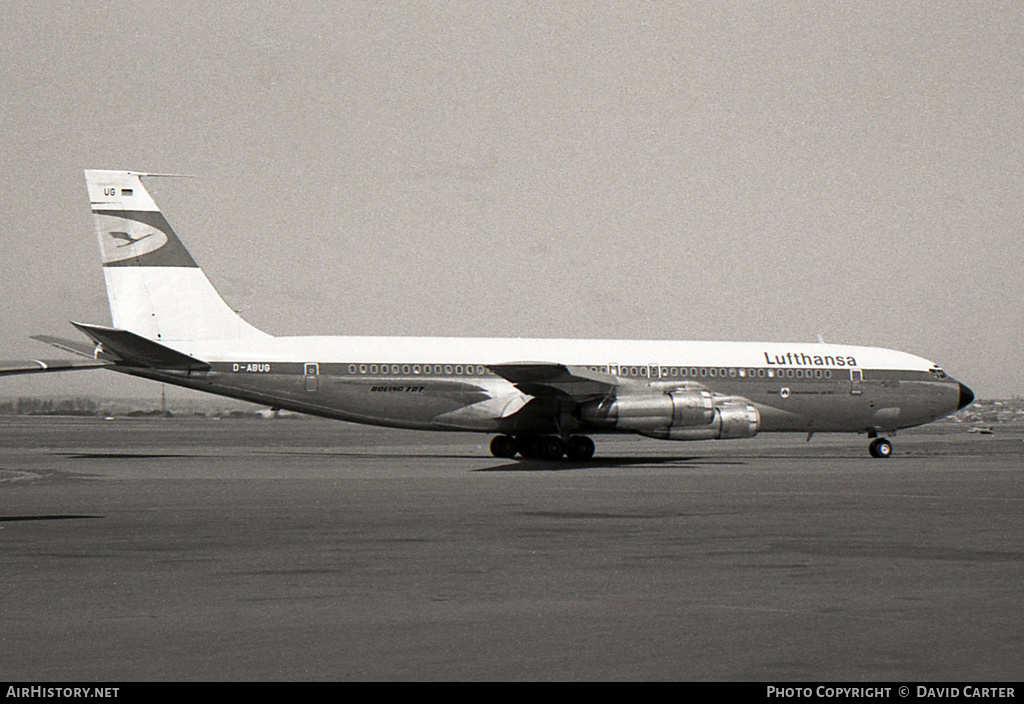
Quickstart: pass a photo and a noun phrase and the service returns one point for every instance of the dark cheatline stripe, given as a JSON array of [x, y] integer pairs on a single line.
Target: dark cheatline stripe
[[173, 253], [410, 370]]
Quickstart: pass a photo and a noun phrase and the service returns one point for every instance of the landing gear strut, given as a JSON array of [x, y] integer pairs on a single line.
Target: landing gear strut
[[880, 447]]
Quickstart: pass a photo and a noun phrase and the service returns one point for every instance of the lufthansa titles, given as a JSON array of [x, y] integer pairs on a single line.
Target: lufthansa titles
[[798, 359]]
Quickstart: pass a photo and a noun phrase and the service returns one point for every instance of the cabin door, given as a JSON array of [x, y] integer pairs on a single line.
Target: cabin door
[[311, 376], [856, 382]]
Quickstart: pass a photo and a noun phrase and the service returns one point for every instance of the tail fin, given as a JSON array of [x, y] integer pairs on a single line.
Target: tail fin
[[155, 288]]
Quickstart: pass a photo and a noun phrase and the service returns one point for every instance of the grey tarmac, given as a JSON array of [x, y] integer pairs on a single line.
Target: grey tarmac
[[301, 549]]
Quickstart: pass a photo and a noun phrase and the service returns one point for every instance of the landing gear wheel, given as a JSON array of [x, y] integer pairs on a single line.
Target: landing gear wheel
[[579, 447], [880, 448], [504, 446], [552, 448], [540, 447], [529, 446]]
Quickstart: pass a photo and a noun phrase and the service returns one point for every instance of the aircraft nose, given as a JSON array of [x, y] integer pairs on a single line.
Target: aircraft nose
[[966, 397]]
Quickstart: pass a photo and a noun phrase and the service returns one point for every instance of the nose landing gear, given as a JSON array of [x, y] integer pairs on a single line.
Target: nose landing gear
[[880, 448]]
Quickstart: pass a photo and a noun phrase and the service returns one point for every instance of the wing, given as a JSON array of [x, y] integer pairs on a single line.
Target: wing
[[557, 389], [569, 383]]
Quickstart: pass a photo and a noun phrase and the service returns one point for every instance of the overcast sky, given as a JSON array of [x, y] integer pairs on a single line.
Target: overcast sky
[[751, 171]]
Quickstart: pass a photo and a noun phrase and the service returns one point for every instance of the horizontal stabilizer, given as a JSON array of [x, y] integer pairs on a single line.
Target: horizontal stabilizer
[[72, 346], [43, 366], [135, 349]]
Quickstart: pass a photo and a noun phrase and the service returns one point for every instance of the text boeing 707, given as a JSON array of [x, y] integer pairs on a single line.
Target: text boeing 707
[[540, 397]]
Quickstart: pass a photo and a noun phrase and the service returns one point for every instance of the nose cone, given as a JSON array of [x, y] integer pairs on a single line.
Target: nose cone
[[966, 397]]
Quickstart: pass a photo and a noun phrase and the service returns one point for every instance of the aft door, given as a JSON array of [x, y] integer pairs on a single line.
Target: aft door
[[311, 376]]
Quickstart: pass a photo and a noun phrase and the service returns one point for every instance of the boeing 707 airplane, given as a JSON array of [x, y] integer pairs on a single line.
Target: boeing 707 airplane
[[540, 398]]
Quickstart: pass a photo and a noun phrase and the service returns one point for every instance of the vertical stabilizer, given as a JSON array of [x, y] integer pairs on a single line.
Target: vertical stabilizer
[[154, 286]]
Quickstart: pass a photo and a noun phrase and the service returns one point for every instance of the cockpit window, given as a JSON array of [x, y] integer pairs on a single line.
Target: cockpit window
[[937, 373]]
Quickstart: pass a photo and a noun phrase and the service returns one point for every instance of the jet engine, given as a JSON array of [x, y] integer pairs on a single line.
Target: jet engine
[[732, 419], [683, 414], [651, 411]]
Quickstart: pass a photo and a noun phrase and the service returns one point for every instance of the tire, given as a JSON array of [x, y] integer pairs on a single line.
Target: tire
[[504, 446], [530, 446], [880, 448], [579, 448], [552, 448]]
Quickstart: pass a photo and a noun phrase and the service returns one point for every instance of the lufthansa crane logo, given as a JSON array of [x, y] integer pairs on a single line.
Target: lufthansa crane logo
[[784, 392], [128, 238]]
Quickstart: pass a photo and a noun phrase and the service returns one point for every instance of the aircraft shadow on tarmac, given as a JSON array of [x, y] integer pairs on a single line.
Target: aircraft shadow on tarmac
[[125, 455], [55, 517], [521, 465], [534, 465]]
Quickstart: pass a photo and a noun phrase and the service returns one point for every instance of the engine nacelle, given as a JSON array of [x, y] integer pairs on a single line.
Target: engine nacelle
[[652, 412], [732, 419]]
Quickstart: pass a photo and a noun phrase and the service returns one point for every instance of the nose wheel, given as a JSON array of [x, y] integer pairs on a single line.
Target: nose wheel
[[880, 448]]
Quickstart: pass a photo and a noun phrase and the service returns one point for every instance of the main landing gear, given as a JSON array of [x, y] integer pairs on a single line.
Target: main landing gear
[[880, 448], [545, 447]]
